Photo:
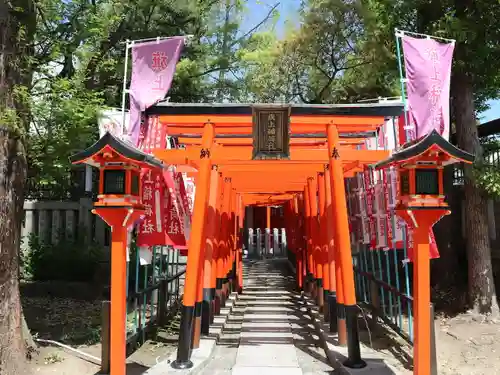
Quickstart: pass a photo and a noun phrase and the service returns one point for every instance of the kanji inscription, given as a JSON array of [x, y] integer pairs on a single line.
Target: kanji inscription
[[271, 133]]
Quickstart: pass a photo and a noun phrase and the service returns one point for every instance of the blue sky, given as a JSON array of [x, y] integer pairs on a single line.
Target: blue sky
[[257, 9], [492, 113]]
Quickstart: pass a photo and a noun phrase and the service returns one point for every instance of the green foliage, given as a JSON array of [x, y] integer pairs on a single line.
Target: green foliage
[[78, 68], [64, 121], [68, 260], [323, 61], [265, 79], [8, 117], [224, 44], [487, 171]]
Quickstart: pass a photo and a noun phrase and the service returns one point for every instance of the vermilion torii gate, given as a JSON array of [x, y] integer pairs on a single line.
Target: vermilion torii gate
[[245, 154], [295, 156]]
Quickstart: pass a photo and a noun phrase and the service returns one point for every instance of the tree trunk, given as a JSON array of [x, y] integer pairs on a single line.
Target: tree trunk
[[17, 27], [12, 177], [481, 286], [449, 271]]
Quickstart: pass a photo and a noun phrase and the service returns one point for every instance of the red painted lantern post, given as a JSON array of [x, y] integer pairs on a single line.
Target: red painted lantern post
[[421, 204], [120, 206]]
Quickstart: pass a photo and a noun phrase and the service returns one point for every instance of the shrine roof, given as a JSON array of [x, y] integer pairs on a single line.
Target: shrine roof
[[415, 148], [390, 109], [123, 148]]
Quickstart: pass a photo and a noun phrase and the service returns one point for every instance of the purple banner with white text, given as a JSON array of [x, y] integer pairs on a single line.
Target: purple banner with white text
[[153, 69], [428, 71]]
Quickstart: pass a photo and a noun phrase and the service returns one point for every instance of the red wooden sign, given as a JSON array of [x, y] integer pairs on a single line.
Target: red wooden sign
[[173, 219], [151, 230]]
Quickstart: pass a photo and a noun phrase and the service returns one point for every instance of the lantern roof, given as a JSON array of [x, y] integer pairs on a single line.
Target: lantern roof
[[125, 149], [431, 142]]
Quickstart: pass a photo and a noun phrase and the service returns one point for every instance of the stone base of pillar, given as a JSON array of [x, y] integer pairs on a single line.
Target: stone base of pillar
[[353, 347], [184, 347], [326, 306], [332, 307]]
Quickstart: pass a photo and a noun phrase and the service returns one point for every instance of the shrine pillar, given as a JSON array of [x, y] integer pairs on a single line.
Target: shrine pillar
[[313, 223], [224, 242], [217, 279], [322, 265], [241, 236], [196, 251], [308, 260], [337, 321], [249, 230], [299, 252], [323, 233], [303, 238], [230, 246], [267, 231], [203, 299], [268, 217], [343, 245], [233, 272], [210, 252]]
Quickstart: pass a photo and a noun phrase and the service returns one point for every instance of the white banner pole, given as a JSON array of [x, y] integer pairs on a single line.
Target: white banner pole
[[124, 90]]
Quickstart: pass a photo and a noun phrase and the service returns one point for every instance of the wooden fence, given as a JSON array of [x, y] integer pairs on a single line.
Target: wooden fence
[[55, 221]]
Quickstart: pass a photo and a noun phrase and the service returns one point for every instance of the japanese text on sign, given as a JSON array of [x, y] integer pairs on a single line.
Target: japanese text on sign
[[435, 90], [172, 218], [159, 61], [271, 131], [150, 195]]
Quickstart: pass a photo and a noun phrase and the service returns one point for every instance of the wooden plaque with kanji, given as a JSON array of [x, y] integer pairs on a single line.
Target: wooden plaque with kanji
[[271, 138]]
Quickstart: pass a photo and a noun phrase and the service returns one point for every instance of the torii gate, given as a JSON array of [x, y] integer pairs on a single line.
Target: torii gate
[[301, 146]]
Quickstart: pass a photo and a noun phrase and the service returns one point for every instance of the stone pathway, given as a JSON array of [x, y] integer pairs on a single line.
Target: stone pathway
[[267, 333]]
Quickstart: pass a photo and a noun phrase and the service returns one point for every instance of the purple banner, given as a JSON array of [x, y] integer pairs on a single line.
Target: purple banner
[[153, 68], [428, 71]]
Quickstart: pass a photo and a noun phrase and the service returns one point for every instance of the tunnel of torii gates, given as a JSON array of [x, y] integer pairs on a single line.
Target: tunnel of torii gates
[[296, 156], [236, 162]]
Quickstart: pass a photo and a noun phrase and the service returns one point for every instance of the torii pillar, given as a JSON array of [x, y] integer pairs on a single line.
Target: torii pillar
[[196, 252], [343, 245], [210, 267]]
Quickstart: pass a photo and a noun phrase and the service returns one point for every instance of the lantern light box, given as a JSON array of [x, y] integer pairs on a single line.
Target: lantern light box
[[420, 167], [120, 167]]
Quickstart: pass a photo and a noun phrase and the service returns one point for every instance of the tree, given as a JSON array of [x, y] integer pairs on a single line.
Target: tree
[[474, 80], [17, 22], [225, 43], [60, 129], [266, 78], [79, 62], [319, 62], [78, 70]]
